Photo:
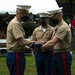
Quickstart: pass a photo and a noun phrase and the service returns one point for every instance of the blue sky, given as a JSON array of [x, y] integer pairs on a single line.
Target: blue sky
[[37, 5]]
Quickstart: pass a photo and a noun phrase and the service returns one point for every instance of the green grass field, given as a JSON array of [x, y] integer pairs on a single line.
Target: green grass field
[[30, 65]]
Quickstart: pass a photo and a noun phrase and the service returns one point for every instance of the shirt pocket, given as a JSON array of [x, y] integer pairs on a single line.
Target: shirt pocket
[[39, 35], [47, 36]]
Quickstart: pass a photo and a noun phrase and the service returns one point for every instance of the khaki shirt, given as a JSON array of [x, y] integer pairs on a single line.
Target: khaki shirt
[[63, 33], [14, 31], [38, 34]]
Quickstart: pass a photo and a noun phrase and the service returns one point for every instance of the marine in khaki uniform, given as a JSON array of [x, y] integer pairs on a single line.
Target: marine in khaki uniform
[[43, 33], [61, 42], [16, 42], [14, 31]]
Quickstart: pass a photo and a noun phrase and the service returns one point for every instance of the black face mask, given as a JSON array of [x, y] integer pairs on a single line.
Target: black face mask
[[54, 21], [43, 23], [23, 18]]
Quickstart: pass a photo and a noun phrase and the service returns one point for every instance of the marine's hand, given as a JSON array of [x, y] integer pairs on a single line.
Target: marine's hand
[[40, 42]]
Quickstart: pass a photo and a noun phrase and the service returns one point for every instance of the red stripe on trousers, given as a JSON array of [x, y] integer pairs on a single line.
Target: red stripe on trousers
[[53, 52], [17, 64], [64, 62]]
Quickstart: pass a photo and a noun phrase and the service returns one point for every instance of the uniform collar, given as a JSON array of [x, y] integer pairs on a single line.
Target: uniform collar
[[16, 19], [48, 26], [57, 26]]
